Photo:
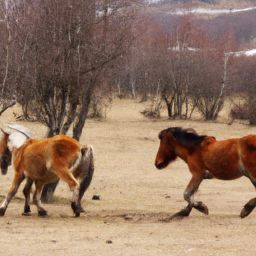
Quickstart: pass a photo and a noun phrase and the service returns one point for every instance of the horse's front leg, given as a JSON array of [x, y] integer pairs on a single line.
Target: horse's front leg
[[26, 192], [37, 199], [188, 196], [18, 178]]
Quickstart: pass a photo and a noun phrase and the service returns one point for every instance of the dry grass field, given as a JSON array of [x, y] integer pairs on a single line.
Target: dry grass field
[[135, 199]]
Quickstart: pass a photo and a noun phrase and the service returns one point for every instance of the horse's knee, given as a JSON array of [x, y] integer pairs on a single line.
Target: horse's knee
[[35, 201], [73, 185], [187, 196], [26, 191], [27, 187]]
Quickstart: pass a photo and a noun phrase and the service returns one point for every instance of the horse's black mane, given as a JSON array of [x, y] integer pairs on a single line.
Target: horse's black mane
[[187, 137]]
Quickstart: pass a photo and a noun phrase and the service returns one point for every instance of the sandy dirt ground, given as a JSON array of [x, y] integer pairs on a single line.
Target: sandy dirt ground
[[135, 199]]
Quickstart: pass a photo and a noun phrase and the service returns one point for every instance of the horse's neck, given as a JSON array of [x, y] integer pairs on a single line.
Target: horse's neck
[[181, 152], [16, 140]]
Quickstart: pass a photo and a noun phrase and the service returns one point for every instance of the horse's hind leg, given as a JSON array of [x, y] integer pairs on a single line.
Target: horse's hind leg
[[18, 178], [37, 199], [248, 208], [188, 196], [26, 192], [65, 175], [251, 204]]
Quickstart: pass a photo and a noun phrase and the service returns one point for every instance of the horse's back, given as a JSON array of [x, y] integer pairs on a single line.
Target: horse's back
[[221, 158], [60, 149], [226, 158], [60, 145]]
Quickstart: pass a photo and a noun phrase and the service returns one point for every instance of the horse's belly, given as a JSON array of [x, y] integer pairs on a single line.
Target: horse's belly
[[226, 170], [229, 174], [44, 177], [36, 169]]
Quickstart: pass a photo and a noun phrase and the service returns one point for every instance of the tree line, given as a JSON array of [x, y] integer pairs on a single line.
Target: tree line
[[55, 56], [190, 69], [61, 60]]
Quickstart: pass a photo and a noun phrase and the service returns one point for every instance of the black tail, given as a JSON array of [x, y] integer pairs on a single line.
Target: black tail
[[85, 183]]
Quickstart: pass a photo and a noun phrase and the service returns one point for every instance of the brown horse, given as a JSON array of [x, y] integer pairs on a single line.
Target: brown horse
[[208, 158], [44, 161]]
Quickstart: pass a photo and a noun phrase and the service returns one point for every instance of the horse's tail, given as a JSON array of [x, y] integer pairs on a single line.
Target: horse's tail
[[88, 158]]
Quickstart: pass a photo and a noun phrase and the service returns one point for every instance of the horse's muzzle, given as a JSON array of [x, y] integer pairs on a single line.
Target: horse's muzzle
[[160, 165], [4, 163], [4, 171]]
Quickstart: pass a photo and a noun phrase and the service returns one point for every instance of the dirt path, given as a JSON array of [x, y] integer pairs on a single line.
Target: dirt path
[[135, 200]]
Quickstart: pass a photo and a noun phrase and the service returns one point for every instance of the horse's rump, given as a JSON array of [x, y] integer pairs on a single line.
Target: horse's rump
[[63, 146]]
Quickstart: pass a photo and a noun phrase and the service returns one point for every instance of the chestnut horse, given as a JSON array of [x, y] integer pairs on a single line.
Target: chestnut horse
[[206, 158], [44, 161]]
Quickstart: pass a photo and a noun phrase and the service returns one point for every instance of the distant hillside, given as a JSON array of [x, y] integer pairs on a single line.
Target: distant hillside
[[220, 3], [218, 18]]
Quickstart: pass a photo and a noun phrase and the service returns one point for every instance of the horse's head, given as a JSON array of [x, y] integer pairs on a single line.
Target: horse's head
[[5, 154], [13, 136], [172, 140], [166, 151]]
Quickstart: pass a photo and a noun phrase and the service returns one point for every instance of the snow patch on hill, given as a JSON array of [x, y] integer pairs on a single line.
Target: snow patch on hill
[[210, 11]]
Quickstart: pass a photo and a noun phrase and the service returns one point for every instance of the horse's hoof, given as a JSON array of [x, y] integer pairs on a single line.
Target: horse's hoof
[[177, 216], [201, 207], [181, 214], [73, 206], [2, 211], [42, 213], [82, 209], [77, 214], [27, 211], [76, 209], [26, 214], [246, 211]]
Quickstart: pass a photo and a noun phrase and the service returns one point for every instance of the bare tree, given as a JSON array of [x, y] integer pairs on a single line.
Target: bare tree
[[69, 45], [63, 49], [211, 72], [245, 86], [7, 94]]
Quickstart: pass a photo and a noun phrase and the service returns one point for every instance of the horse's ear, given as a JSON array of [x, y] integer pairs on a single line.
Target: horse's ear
[[191, 130]]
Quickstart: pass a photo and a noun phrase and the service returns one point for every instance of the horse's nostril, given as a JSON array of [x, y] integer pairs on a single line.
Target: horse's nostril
[[4, 171], [158, 165]]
